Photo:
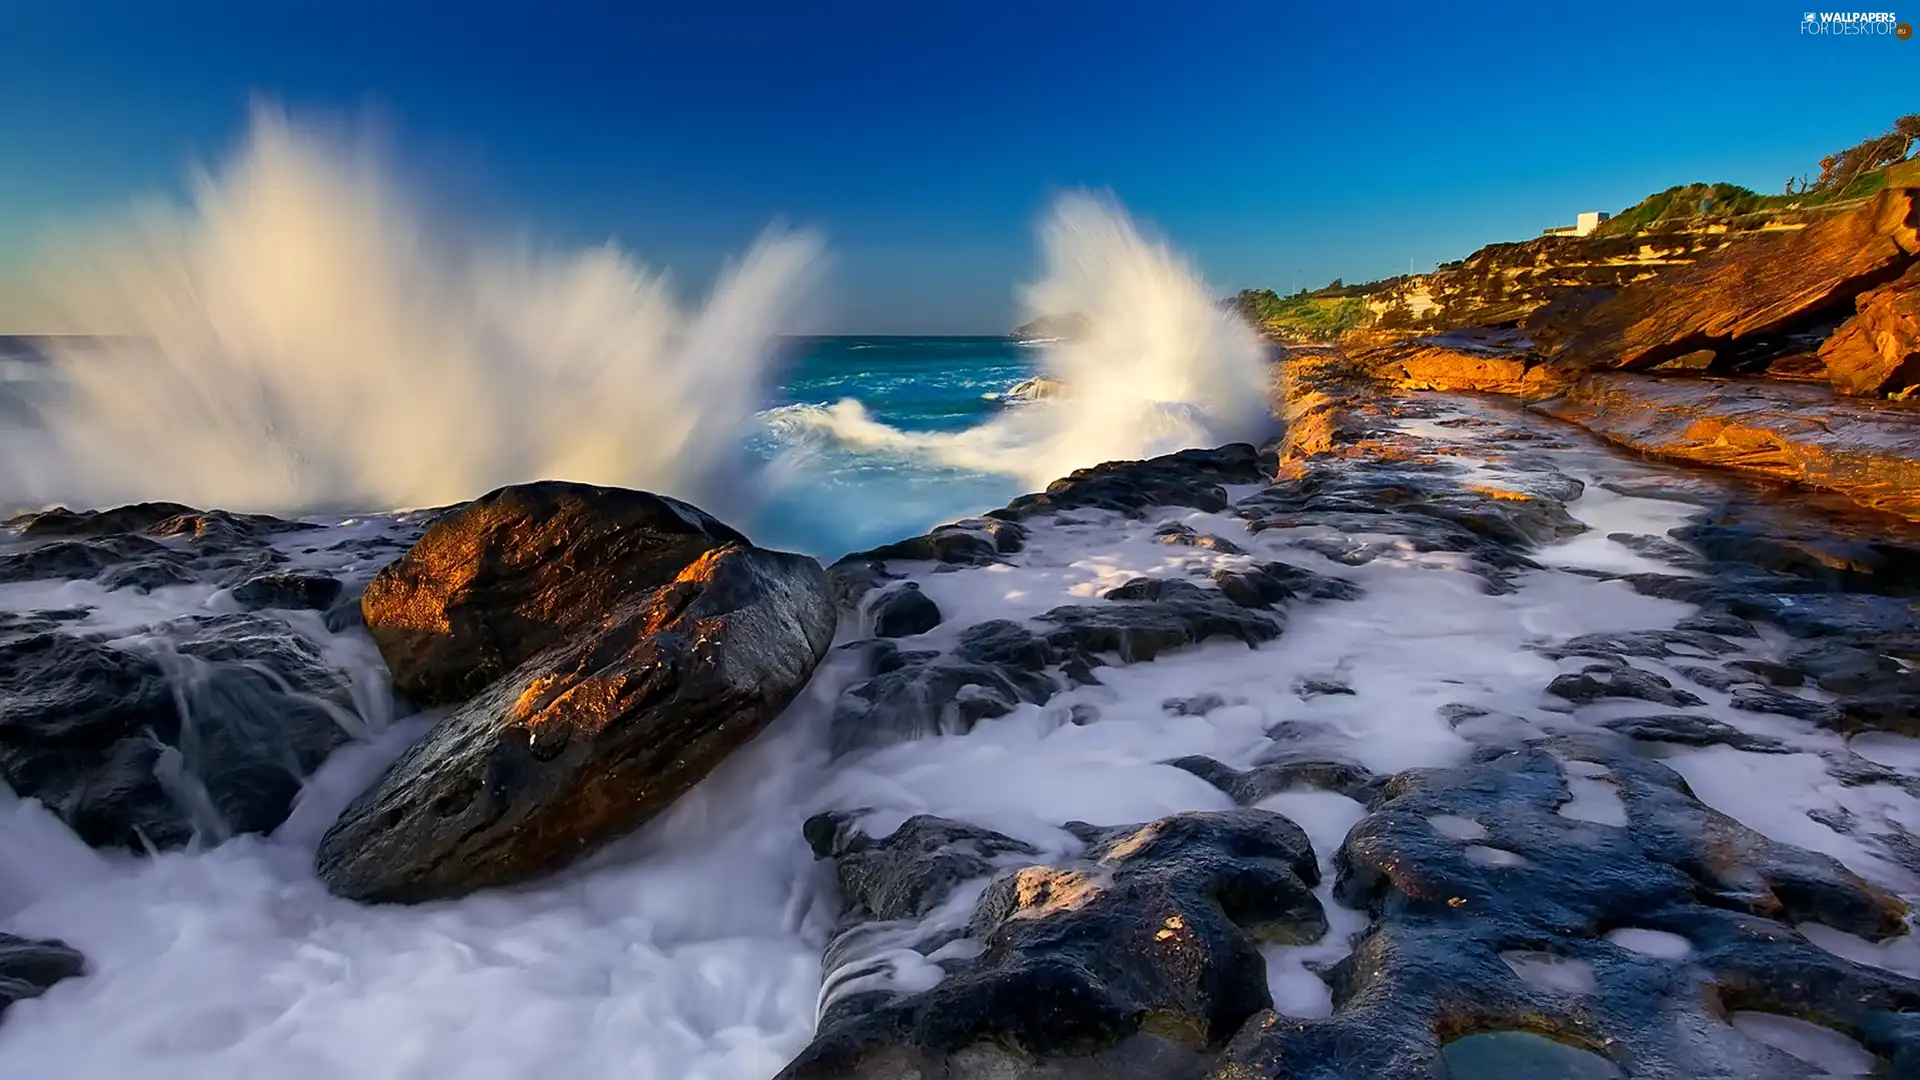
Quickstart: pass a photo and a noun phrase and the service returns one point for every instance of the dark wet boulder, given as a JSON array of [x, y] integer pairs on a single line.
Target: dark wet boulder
[[1504, 920], [911, 870], [595, 735], [1148, 616], [1285, 771], [518, 570], [1140, 956], [997, 667], [78, 559], [1688, 729], [1268, 583], [1190, 478], [290, 592], [903, 612], [208, 729], [219, 529], [1183, 536], [29, 967], [62, 522], [969, 542], [1597, 682], [144, 577]]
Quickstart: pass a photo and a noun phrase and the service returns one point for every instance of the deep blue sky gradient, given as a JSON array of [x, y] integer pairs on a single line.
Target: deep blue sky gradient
[[1277, 143]]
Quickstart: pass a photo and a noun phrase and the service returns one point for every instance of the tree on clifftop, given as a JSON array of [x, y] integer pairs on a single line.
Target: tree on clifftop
[[1839, 171]]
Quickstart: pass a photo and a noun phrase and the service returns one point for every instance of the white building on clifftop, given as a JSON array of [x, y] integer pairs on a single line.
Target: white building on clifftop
[[1583, 224]]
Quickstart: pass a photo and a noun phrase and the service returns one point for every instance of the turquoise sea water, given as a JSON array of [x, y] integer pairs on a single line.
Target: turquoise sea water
[[838, 485]]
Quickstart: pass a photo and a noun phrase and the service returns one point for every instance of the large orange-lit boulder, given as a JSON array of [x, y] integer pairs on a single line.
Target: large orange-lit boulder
[[640, 646]]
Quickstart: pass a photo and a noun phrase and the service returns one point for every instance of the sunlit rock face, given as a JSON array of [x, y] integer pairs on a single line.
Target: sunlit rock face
[[624, 645]]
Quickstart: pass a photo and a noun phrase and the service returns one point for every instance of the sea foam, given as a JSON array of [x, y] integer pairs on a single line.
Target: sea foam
[[300, 336]]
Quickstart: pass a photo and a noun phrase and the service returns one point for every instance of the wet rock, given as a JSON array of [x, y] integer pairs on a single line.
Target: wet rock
[[1006, 643], [62, 522], [28, 967], [1360, 509], [1038, 388], [144, 577], [291, 592], [1768, 700], [1430, 968], [1190, 478], [79, 559], [910, 871], [1652, 644], [1830, 555], [1878, 350], [1772, 673], [1597, 682], [1270, 583], [1175, 533], [592, 737], [519, 570], [1148, 616], [1197, 705], [997, 667], [1660, 548], [222, 529], [1722, 625], [1782, 431], [1688, 729], [971, 542], [209, 729], [904, 612], [1287, 771], [1142, 954], [1306, 689]]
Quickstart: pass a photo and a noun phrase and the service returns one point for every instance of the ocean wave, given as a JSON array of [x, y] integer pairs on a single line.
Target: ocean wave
[[302, 338]]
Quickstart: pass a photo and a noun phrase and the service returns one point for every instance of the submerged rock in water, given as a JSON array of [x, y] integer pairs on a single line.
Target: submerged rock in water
[[904, 612], [28, 968], [208, 728], [518, 570], [644, 687], [1438, 960], [1138, 957], [293, 592], [1038, 388]]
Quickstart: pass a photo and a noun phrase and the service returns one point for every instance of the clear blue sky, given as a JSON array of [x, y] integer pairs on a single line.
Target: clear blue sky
[[1273, 141]]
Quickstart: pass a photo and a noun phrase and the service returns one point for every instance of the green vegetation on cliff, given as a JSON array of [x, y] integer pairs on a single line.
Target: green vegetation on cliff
[[1857, 172], [1321, 315]]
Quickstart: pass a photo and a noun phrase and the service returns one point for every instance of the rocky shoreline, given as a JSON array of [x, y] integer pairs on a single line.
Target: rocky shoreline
[[1429, 736], [1549, 866]]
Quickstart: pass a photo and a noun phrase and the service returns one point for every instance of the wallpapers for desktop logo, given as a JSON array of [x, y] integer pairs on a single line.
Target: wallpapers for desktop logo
[[1855, 24]]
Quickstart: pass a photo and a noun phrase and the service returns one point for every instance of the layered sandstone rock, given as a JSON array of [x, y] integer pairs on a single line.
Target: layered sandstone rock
[[1738, 298], [1801, 434], [1878, 350]]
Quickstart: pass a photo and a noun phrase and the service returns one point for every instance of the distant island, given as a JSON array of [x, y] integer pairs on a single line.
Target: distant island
[[1063, 327]]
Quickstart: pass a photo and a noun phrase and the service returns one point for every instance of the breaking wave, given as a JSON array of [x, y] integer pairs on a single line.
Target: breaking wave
[[1158, 367], [298, 337]]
